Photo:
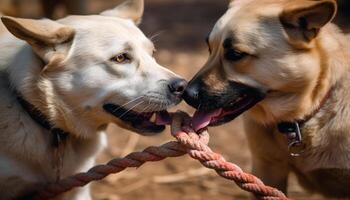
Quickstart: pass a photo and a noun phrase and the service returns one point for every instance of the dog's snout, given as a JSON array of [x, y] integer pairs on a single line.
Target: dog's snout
[[177, 86], [192, 92], [191, 95]]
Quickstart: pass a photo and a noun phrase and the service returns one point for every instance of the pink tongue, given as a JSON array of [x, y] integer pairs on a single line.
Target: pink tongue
[[201, 119]]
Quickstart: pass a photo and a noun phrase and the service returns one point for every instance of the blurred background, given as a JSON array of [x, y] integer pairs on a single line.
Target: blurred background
[[178, 28]]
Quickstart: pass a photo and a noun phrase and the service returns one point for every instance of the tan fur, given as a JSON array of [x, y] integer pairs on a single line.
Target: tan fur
[[64, 69], [297, 66], [2, 27]]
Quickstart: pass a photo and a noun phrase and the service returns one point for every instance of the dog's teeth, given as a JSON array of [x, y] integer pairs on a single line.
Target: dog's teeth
[[237, 100], [153, 118]]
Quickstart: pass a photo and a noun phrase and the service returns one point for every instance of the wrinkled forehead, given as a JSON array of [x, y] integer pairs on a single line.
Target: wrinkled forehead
[[101, 33], [246, 19]]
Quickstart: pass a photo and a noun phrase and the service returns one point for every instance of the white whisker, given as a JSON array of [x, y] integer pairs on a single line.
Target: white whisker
[[154, 36], [129, 102], [145, 109], [131, 109]]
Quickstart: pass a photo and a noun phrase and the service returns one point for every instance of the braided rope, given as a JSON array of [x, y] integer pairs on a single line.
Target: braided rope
[[188, 142], [199, 150]]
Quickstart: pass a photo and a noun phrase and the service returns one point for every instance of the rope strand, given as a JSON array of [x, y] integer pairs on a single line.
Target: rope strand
[[189, 143]]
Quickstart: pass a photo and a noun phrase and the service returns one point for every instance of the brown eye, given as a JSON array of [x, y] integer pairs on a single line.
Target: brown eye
[[234, 55], [121, 58]]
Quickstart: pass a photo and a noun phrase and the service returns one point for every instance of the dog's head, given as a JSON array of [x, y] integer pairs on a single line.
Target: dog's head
[[263, 55], [95, 70]]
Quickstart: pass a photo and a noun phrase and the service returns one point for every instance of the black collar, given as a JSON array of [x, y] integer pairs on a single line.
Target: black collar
[[293, 132], [58, 135]]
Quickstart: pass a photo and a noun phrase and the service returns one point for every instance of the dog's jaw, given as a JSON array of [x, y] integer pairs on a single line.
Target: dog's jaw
[[217, 107], [143, 123]]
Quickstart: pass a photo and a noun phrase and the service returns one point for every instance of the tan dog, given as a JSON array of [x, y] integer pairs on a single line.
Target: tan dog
[[284, 62], [64, 84]]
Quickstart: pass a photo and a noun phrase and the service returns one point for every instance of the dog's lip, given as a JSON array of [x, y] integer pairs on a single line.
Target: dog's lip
[[216, 117], [140, 121]]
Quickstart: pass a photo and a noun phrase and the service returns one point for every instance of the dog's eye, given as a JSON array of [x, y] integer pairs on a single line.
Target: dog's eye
[[234, 55], [121, 58]]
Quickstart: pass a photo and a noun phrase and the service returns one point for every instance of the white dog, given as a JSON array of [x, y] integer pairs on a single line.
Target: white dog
[[64, 84]]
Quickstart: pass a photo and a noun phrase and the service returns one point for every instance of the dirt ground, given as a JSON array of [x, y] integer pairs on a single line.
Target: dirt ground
[[178, 29]]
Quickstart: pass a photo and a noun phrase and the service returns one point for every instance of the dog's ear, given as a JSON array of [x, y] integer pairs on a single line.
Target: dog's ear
[[43, 35], [303, 19], [130, 9]]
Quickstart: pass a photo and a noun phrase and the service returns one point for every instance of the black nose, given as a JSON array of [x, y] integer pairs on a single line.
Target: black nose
[[177, 86], [191, 95]]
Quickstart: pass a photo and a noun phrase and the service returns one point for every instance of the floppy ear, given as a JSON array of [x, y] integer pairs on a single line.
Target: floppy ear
[[130, 9], [43, 35], [303, 19]]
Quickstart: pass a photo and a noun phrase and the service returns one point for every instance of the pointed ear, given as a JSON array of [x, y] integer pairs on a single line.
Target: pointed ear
[[43, 35], [130, 9], [303, 19]]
